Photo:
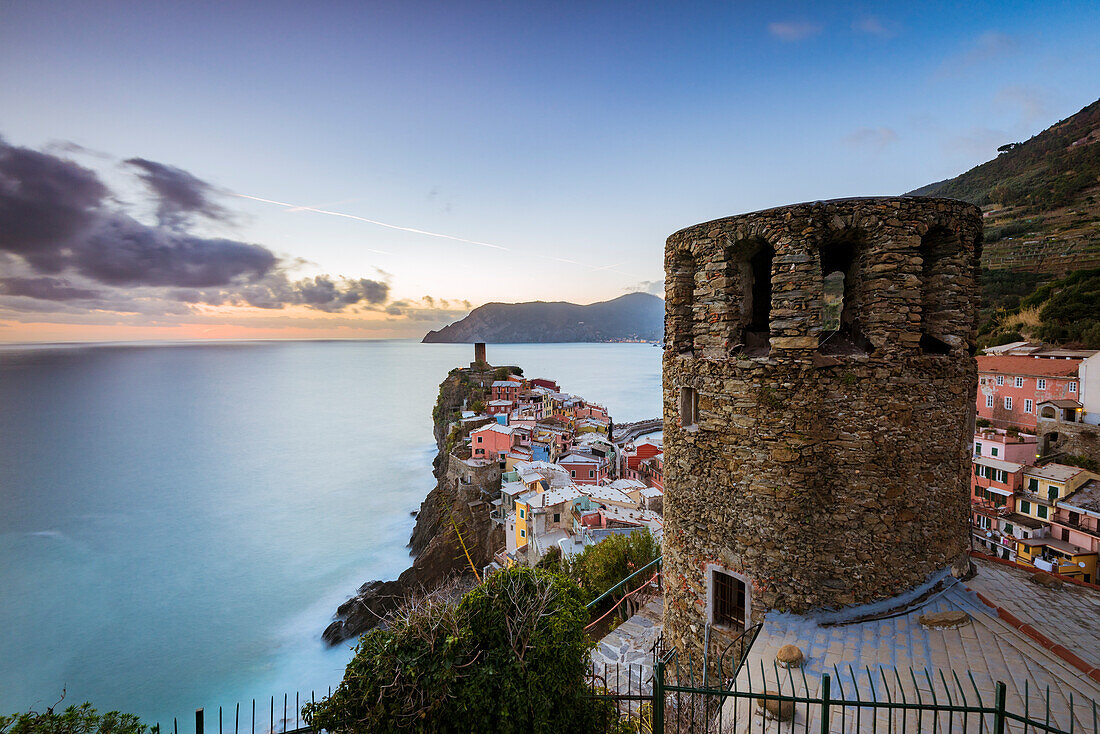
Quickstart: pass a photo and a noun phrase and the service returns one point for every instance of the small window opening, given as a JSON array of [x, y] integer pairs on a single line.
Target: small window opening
[[841, 328], [689, 407], [936, 248], [756, 335], [680, 302], [728, 609]]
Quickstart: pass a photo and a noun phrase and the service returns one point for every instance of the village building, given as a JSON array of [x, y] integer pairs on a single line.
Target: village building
[[1010, 387]]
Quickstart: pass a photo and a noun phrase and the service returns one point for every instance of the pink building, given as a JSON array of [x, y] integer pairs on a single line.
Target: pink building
[[491, 441], [997, 443], [1010, 388]]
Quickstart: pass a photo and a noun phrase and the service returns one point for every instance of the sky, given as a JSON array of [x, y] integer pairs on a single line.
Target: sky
[[374, 170]]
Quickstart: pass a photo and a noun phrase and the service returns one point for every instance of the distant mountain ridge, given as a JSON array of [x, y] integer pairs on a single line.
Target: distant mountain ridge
[[1041, 199], [633, 316]]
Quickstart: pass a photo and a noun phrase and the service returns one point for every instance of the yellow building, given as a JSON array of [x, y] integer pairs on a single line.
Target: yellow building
[[523, 511], [1057, 556]]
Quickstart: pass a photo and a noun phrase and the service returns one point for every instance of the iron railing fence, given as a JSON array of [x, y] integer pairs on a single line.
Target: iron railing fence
[[255, 721]]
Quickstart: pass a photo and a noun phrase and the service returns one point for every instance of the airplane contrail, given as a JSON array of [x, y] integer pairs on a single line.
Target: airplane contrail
[[298, 208], [372, 221]]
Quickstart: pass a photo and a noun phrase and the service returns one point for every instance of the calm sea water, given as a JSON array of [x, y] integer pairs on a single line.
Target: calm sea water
[[178, 522]]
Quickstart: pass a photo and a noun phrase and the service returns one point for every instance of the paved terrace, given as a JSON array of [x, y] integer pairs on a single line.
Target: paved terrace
[[992, 647]]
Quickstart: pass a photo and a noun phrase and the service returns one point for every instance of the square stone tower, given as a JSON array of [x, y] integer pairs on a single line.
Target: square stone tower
[[818, 408]]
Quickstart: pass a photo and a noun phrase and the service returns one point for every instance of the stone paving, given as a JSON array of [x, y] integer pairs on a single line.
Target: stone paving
[[624, 658], [971, 658]]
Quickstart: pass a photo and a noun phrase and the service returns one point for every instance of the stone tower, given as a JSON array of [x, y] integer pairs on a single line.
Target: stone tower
[[818, 408]]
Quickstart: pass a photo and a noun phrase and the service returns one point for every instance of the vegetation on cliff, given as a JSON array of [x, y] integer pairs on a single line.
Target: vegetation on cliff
[[633, 316], [599, 567], [511, 656], [1066, 311], [82, 719], [1041, 199]]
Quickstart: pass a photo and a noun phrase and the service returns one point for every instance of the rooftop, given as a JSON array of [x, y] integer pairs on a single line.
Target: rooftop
[[1024, 365], [1086, 499], [992, 647], [1008, 466], [1053, 472]]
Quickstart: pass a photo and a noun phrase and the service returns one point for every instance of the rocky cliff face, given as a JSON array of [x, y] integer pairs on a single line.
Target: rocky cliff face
[[456, 508]]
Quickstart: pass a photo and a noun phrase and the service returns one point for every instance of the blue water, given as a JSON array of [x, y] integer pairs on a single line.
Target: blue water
[[178, 522]]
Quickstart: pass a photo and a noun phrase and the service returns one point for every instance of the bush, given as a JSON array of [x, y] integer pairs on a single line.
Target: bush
[[511, 656], [982, 423], [81, 719], [599, 567]]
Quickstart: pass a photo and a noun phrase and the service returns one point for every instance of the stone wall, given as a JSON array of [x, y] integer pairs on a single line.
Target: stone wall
[[1058, 438], [828, 463]]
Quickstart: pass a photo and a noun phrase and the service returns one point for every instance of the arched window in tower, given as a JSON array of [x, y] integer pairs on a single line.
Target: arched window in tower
[[680, 303], [937, 287], [842, 286]]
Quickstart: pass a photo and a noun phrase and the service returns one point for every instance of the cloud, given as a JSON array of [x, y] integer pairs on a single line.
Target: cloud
[[872, 26], [179, 193], [53, 214], [795, 30], [653, 287], [45, 288], [875, 139], [1030, 103], [46, 205], [988, 47]]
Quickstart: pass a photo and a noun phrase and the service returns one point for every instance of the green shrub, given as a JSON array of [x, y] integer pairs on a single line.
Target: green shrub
[[599, 567], [511, 656], [82, 719]]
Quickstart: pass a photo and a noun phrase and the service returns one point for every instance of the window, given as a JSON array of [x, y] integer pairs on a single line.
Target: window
[[989, 401], [479, 439], [728, 600], [1043, 511], [993, 451], [591, 473], [479, 451], [1042, 384], [1008, 403], [1073, 387], [522, 533], [1032, 484], [573, 473], [1025, 506], [977, 448], [689, 406], [1000, 379], [1052, 492], [1008, 529], [1019, 382], [521, 516], [1027, 405], [557, 517]]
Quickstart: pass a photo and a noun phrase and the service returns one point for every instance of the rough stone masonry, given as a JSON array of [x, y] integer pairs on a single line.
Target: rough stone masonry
[[818, 377]]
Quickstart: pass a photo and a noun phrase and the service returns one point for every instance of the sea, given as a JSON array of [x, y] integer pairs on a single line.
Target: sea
[[178, 522]]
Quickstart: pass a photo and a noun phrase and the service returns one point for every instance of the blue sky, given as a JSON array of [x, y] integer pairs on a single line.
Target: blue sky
[[575, 136]]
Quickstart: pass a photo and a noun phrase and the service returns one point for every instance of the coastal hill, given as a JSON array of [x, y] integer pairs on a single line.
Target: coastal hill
[[1041, 199], [633, 316]]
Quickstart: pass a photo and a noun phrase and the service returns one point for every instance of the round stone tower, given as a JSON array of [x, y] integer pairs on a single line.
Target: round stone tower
[[818, 408]]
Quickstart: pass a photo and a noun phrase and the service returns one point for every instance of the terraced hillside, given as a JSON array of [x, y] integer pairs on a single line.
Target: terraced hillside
[[1041, 199]]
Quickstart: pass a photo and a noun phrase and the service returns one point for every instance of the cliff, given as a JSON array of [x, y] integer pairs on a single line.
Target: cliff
[[633, 316], [457, 506]]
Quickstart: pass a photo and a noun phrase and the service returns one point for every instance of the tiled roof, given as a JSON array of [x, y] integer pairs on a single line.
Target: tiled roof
[[1022, 365]]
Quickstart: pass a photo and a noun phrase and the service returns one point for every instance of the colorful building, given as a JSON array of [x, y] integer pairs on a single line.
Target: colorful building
[[1010, 388], [491, 441]]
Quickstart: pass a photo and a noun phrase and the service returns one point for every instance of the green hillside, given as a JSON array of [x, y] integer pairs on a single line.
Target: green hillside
[[1041, 199]]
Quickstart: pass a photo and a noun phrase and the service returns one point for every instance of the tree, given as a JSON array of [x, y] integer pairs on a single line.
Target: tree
[[511, 656]]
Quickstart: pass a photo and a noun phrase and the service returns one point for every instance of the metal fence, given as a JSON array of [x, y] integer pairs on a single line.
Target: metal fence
[[262, 720], [727, 695]]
